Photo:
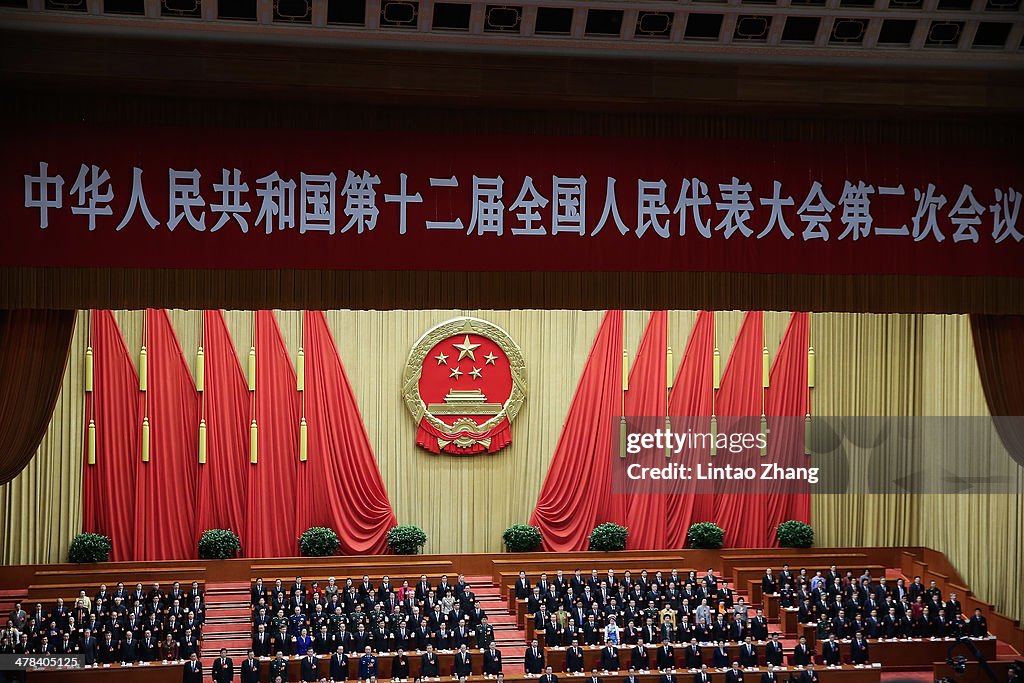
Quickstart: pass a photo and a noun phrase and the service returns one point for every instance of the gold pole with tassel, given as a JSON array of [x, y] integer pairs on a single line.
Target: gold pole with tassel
[[303, 441], [252, 368], [202, 441], [145, 439], [715, 362], [623, 429], [200, 370], [300, 370], [91, 447], [143, 369], [668, 393], [765, 371], [254, 442], [810, 385], [88, 370]]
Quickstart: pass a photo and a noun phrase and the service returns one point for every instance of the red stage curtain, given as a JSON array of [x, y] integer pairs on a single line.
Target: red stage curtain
[[741, 396], [34, 349], [225, 401], [579, 478], [691, 396], [108, 496], [787, 397], [340, 482], [165, 513], [999, 349], [647, 397], [271, 490]]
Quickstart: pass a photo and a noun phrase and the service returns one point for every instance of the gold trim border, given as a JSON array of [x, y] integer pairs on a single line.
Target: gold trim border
[[448, 328]]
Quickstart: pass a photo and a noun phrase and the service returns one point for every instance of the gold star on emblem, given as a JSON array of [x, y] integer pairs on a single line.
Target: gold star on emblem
[[466, 349], [490, 358], [456, 373], [475, 373], [442, 359]]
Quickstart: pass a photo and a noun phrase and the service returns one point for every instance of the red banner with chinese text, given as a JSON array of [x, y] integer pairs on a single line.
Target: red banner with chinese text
[[253, 199]]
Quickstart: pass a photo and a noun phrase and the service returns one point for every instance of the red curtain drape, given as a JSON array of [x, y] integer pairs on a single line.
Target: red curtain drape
[[786, 396], [341, 484], [165, 512], [742, 515], [271, 489], [579, 478], [999, 350], [689, 405], [647, 397], [34, 347], [114, 406], [225, 407]]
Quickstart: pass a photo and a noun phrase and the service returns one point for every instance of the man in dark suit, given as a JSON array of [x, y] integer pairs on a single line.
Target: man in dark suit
[[735, 674], [309, 670], [533, 660], [769, 584], [223, 668], [492, 660], [108, 650], [429, 667], [666, 656], [548, 676], [129, 650], [522, 587], [668, 677], [802, 653], [773, 653], [758, 626], [193, 670], [640, 658], [830, 653], [769, 675], [574, 658], [339, 665], [88, 647], [748, 653], [463, 662], [609, 660], [692, 655], [250, 669], [631, 677], [859, 650], [261, 644], [809, 675], [702, 676], [594, 678]]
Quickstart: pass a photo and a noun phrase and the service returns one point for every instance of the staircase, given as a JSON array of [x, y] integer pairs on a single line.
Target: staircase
[[510, 638], [228, 621]]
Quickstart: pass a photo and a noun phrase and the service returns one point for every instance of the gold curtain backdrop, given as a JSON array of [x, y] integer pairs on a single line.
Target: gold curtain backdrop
[[873, 365]]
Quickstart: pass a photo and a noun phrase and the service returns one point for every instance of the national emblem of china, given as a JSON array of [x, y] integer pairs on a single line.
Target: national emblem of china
[[464, 383]]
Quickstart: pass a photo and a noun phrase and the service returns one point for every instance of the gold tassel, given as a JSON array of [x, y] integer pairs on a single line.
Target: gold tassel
[[716, 369], [252, 368], [143, 369], [765, 367], [88, 370], [668, 429], [669, 375], [807, 434], [303, 441], [202, 442], [714, 435], [300, 371], [254, 442], [810, 367], [145, 439], [200, 370], [764, 435], [625, 370], [622, 436], [91, 452]]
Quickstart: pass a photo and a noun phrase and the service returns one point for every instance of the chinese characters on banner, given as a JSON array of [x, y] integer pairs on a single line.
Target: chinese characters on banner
[[241, 199]]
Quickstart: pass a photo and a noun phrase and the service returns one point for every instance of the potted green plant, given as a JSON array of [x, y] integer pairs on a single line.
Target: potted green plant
[[795, 534], [522, 538], [318, 541], [406, 539], [608, 537], [89, 547], [706, 535], [219, 544]]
